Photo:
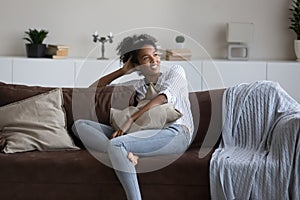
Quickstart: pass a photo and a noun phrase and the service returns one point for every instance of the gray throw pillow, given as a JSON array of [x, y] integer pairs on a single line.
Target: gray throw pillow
[[35, 123], [156, 118]]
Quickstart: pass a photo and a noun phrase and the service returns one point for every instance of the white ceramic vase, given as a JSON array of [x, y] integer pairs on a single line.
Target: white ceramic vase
[[297, 49], [180, 45]]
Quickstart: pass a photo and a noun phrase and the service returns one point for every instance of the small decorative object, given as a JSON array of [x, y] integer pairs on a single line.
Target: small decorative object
[[102, 40], [55, 51], [239, 36], [295, 25], [35, 48], [180, 41], [178, 54]]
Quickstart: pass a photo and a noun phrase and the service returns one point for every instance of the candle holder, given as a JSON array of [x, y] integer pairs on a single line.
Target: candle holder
[[102, 40]]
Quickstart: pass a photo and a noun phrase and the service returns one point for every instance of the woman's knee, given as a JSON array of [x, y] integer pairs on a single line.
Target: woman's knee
[[113, 143], [77, 124], [116, 145]]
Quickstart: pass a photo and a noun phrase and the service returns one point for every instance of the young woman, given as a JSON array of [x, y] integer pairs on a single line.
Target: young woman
[[139, 53]]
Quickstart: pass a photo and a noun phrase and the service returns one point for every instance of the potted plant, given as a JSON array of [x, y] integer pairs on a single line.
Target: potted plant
[[295, 25], [35, 48]]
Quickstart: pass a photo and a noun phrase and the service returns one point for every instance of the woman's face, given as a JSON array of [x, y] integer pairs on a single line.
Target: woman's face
[[149, 61]]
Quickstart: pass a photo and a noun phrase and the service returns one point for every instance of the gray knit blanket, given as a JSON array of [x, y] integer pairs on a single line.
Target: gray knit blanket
[[259, 154]]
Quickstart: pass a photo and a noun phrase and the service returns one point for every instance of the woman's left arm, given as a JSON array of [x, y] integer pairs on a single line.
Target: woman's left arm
[[158, 100]]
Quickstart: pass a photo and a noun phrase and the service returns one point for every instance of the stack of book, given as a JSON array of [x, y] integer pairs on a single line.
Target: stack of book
[[57, 51], [178, 54]]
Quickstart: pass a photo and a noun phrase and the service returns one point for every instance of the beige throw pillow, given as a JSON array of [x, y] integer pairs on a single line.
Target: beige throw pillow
[[36, 123], [156, 118]]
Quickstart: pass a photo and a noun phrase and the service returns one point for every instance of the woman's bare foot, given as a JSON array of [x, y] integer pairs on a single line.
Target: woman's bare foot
[[133, 158]]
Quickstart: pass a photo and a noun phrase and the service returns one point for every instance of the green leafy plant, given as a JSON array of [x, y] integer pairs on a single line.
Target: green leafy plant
[[179, 39], [35, 36], [295, 18]]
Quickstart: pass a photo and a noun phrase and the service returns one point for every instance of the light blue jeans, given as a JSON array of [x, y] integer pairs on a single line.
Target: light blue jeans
[[171, 140]]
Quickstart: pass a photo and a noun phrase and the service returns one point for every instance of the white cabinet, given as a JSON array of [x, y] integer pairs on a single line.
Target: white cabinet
[[222, 74], [6, 70], [193, 71], [287, 75], [43, 72], [91, 70], [201, 74], [88, 71]]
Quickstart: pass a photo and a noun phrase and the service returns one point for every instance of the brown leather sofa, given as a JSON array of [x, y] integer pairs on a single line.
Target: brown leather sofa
[[63, 175]]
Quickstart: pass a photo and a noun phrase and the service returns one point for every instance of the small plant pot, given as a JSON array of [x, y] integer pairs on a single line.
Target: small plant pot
[[35, 50], [180, 45], [297, 49]]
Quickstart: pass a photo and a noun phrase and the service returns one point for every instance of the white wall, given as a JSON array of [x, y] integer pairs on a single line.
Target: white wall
[[72, 22]]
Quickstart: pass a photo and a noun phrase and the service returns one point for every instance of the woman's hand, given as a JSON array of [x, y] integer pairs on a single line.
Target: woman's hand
[[122, 129], [129, 67]]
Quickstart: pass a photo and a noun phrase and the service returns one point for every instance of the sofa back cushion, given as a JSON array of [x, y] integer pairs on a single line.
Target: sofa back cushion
[[95, 104], [206, 108], [79, 103]]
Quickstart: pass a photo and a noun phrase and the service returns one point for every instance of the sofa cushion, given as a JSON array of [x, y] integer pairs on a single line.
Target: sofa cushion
[[35, 123], [74, 167], [155, 118], [206, 108], [2, 142]]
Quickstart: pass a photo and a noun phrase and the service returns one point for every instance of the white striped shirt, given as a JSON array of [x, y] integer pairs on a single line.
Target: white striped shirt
[[174, 85]]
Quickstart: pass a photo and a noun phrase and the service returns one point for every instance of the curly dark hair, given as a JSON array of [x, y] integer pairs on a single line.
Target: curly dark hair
[[131, 45]]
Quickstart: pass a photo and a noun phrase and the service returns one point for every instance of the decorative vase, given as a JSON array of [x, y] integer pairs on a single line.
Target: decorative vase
[[297, 49], [180, 45], [35, 50]]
